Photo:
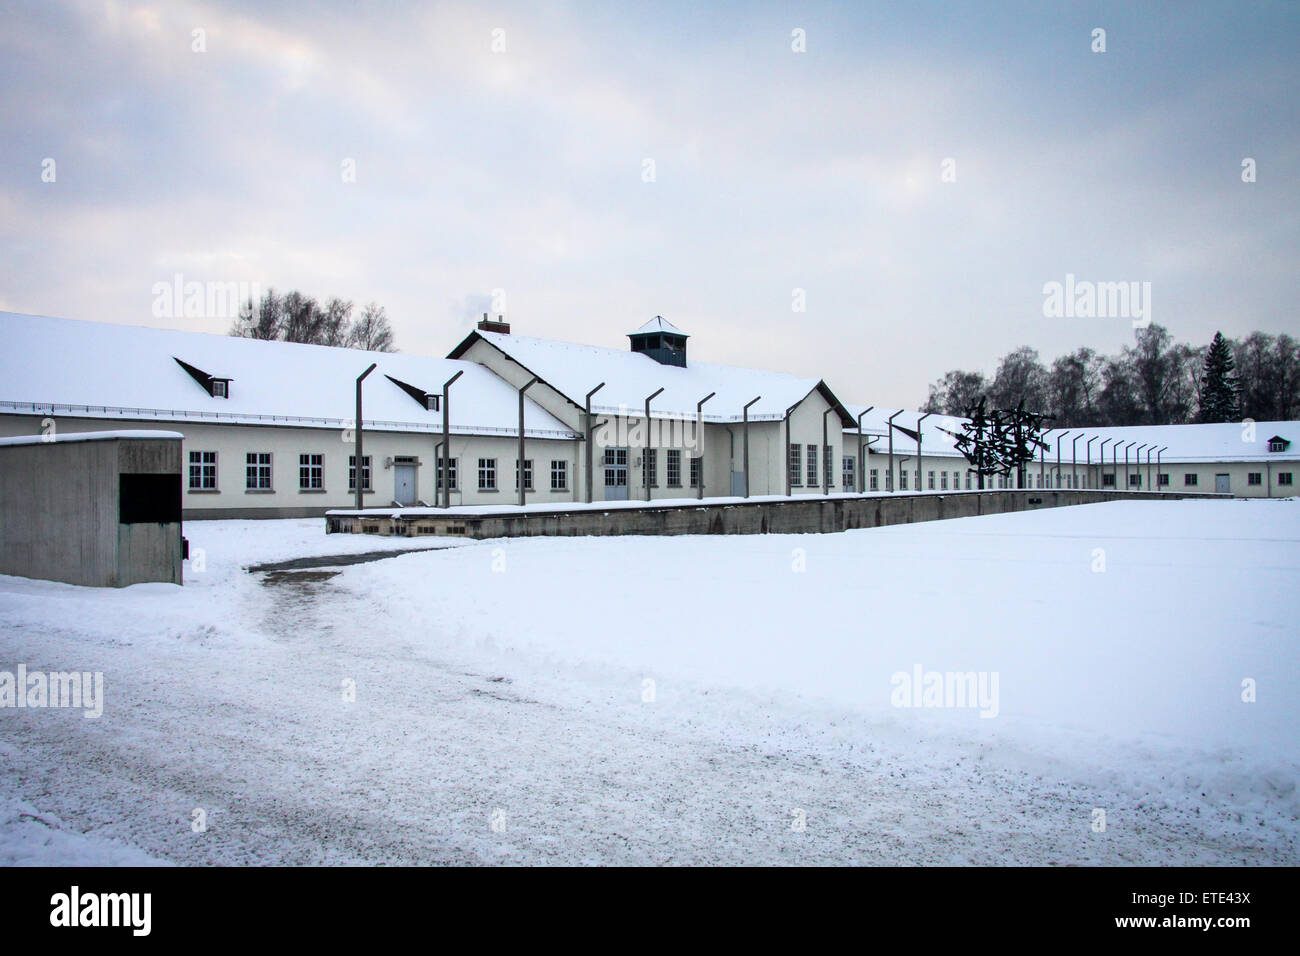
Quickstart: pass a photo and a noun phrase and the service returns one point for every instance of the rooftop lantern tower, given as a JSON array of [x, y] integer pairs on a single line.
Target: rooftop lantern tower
[[662, 341]]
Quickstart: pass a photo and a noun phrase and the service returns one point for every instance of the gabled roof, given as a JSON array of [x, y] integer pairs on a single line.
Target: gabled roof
[[659, 324], [99, 370], [573, 370]]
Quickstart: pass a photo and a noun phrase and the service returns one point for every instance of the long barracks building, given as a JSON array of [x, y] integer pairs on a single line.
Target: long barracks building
[[269, 427]]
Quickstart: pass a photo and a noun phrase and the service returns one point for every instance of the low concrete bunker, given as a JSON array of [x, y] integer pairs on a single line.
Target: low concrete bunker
[[101, 509]]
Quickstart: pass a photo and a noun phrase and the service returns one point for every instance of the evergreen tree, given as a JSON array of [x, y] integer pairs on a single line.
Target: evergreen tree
[[1220, 391]]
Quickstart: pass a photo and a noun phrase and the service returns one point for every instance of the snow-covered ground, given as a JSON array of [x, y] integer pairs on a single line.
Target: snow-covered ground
[[678, 700]]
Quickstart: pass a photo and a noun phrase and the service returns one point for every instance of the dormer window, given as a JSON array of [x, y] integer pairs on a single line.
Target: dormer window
[[431, 402], [1278, 443], [220, 388], [216, 387]]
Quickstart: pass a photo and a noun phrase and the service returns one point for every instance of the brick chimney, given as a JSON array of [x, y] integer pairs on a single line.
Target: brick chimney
[[499, 325]]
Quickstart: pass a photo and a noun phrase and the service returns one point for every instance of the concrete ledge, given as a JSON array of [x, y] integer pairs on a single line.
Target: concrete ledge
[[800, 515]]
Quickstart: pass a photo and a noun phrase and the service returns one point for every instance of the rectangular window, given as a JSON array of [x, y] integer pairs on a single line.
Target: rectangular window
[[450, 465], [674, 467], [1108, 481], [203, 471], [365, 473], [1189, 479], [559, 474], [431, 402], [943, 481], [889, 480], [875, 479], [930, 485], [1284, 478], [218, 389], [850, 475], [528, 474], [796, 465], [487, 474], [968, 480], [812, 466], [696, 464], [1163, 480], [311, 472], [902, 479], [1135, 481], [257, 471], [828, 466], [650, 468], [1255, 478]]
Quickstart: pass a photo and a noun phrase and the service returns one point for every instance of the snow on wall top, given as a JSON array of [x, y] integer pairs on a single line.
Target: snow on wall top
[[1232, 441], [61, 437], [629, 377], [101, 370]]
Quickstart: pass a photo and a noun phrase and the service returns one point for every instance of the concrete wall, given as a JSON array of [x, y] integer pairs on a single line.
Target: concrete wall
[[790, 516], [61, 505]]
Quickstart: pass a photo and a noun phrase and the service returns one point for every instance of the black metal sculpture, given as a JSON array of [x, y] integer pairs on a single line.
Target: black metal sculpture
[[1001, 441]]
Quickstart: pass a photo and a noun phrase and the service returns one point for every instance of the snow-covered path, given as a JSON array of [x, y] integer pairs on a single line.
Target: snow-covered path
[[228, 696]]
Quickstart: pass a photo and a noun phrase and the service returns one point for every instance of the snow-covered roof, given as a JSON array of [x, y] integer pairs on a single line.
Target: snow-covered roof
[[100, 370], [1232, 441], [660, 324], [64, 437], [1229, 442], [573, 370]]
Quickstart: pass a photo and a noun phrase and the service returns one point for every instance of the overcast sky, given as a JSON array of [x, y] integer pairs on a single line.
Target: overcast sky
[[524, 169]]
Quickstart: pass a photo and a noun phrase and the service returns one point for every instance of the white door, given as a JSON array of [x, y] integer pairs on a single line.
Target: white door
[[1222, 484], [404, 484], [615, 474]]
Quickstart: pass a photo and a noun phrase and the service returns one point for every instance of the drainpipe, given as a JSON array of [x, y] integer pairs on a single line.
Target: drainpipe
[[520, 465], [360, 460], [746, 430], [890, 422], [446, 442], [789, 476], [920, 462], [826, 472], [591, 437], [645, 453], [699, 435], [1074, 465], [1087, 468], [862, 458]]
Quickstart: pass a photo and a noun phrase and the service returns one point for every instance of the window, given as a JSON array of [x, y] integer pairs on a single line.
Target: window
[[1108, 481], [1255, 478], [650, 468], [559, 474], [220, 389], [1277, 443], [1135, 481], [528, 474], [828, 467], [431, 402], [365, 473], [902, 479], [674, 468], [615, 467], [930, 484], [812, 466], [889, 480], [1284, 478], [696, 464], [1163, 480], [796, 467], [968, 480], [450, 465], [943, 481], [1189, 480], [875, 479], [311, 472], [203, 471], [850, 476], [487, 474], [257, 471]]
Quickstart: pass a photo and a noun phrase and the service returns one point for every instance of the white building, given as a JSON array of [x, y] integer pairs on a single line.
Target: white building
[[269, 426]]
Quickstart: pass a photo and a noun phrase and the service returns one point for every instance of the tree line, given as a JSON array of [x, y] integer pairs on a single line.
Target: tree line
[[1154, 381], [295, 317]]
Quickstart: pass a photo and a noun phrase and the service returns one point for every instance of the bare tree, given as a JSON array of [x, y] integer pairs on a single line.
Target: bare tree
[[262, 320], [371, 330]]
